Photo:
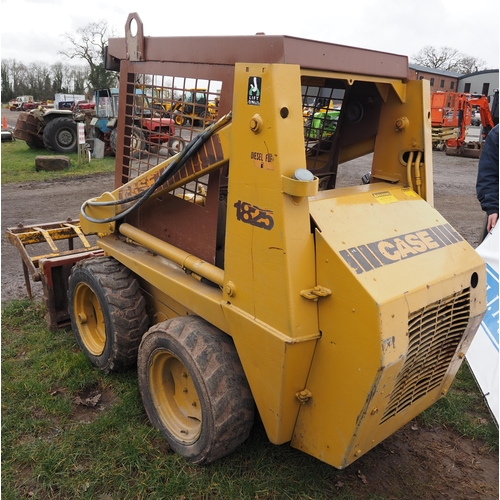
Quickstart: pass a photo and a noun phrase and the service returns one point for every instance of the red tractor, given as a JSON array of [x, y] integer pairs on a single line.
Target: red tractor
[[149, 131]]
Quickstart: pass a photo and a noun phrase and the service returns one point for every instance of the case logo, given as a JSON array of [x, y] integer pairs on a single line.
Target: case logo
[[367, 257]]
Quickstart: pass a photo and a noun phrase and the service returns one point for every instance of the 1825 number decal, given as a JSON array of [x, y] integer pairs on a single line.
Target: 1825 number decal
[[255, 216]]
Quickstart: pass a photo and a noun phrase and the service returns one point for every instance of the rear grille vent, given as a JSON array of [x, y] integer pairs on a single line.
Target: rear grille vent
[[434, 334]]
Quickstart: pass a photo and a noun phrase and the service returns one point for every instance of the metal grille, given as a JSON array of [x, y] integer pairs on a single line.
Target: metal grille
[[321, 104], [163, 114], [434, 335]]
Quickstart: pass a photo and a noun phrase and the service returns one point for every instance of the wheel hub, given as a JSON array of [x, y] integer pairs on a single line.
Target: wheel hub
[[175, 396], [90, 319]]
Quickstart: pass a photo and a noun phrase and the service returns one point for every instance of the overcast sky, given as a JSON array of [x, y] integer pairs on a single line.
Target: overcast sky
[[33, 30]]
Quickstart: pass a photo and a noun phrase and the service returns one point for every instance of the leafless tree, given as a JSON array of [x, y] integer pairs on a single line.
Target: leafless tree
[[37, 77], [89, 43], [447, 59], [471, 65], [41, 81]]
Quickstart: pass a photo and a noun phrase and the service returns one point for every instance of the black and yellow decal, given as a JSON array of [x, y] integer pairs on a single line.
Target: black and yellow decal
[[385, 197], [255, 216], [373, 255]]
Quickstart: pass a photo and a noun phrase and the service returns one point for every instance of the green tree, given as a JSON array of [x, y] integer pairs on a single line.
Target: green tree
[[7, 90], [79, 77], [89, 43], [58, 72]]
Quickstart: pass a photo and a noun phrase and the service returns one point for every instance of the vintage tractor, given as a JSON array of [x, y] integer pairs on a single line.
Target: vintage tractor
[[50, 128], [150, 130], [23, 103]]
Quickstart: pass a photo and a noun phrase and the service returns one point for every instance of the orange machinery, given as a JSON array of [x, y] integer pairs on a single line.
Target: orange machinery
[[451, 114]]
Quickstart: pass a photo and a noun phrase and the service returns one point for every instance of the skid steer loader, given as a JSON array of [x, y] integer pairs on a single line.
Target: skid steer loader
[[238, 286]]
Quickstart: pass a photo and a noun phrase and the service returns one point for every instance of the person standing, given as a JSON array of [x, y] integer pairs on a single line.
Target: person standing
[[487, 180]]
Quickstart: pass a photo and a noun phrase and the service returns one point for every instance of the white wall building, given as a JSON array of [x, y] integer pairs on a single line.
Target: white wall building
[[483, 82]]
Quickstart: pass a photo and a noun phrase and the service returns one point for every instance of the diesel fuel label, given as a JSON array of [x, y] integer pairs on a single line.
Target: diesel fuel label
[[262, 160], [373, 255]]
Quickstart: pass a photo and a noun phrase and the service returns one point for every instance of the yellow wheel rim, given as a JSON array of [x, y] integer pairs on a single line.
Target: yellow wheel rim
[[175, 396], [90, 319]]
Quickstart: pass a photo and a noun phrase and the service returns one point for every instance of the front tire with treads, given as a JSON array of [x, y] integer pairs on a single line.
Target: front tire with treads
[[194, 389], [108, 312]]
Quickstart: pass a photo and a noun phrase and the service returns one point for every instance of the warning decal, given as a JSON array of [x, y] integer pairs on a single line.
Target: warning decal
[[254, 90]]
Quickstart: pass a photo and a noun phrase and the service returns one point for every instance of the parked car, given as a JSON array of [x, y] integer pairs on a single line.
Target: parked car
[[81, 105]]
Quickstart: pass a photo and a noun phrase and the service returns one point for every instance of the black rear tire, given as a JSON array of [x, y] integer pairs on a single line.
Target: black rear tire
[[137, 142], [36, 143], [194, 389], [107, 311], [61, 135], [113, 138]]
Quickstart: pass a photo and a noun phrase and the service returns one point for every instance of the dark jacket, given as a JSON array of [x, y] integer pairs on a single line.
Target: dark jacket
[[487, 174]]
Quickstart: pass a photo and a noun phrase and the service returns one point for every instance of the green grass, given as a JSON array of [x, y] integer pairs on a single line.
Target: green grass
[[463, 411], [55, 448], [18, 164]]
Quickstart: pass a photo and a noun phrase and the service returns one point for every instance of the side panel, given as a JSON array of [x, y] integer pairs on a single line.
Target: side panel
[[269, 255], [269, 246], [408, 294]]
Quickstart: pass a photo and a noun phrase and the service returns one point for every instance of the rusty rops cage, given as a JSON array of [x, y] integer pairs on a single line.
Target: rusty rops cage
[[172, 88], [162, 113]]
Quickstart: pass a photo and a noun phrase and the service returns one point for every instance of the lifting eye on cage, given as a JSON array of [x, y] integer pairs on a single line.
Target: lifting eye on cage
[[133, 28], [354, 112]]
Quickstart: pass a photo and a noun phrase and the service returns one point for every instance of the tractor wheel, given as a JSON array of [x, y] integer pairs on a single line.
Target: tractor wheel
[[179, 119], [176, 145], [137, 142], [95, 133], [113, 137], [36, 143], [107, 311], [60, 135], [194, 389]]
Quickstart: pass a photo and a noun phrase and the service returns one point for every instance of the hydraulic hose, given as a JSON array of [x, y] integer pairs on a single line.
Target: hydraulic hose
[[408, 170], [418, 179], [179, 160]]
